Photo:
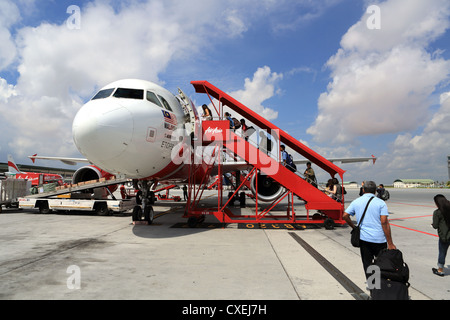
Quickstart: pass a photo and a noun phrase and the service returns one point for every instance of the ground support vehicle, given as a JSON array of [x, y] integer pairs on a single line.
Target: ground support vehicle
[[11, 190], [85, 196]]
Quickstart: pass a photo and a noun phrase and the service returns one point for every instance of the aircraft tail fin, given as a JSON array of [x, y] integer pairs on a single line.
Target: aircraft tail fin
[[12, 167]]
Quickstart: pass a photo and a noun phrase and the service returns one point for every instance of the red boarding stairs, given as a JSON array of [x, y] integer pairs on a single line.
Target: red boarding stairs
[[327, 211]]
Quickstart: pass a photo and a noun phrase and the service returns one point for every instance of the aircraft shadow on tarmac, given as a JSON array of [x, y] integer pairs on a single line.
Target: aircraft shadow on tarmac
[[171, 224], [158, 230]]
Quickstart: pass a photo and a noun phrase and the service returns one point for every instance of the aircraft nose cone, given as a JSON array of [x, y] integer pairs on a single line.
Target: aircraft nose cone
[[102, 130]]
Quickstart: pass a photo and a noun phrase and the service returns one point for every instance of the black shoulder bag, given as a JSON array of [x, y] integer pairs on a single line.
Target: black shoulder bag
[[355, 233]]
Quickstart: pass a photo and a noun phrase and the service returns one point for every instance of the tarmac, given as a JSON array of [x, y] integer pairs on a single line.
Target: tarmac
[[80, 256]]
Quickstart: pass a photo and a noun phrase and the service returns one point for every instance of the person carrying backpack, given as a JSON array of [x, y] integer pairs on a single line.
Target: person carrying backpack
[[375, 227], [287, 159], [441, 222], [230, 119], [382, 193]]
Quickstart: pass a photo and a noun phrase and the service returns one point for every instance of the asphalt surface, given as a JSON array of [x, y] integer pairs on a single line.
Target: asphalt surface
[[82, 256]]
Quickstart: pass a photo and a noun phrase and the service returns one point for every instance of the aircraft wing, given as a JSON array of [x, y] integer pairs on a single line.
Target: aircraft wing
[[342, 160], [69, 161], [242, 165]]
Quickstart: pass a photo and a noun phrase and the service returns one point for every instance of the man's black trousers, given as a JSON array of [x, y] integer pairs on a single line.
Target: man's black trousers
[[369, 251]]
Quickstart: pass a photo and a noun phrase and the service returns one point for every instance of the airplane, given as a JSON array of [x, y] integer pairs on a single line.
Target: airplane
[[35, 177], [139, 130]]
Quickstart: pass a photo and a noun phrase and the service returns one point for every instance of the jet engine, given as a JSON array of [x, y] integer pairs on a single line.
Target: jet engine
[[268, 189], [88, 173]]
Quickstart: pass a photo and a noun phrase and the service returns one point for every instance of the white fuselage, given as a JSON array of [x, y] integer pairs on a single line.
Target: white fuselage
[[129, 129]]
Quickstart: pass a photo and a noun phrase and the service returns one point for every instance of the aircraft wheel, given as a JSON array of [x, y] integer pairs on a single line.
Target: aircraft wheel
[[137, 213], [149, 214]]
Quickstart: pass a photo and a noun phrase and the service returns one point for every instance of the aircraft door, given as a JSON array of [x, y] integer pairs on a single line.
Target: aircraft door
[[191, 116]]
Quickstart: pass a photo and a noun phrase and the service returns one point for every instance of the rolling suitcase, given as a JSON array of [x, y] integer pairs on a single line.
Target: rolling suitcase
[[394, 276], [391, 290]]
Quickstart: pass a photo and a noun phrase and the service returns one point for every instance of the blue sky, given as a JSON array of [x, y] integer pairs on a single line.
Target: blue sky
[[314, 68]]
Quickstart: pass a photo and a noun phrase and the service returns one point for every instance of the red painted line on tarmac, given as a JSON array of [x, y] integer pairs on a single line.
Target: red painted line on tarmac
[[415, 205], [429, 215], [430, 234]]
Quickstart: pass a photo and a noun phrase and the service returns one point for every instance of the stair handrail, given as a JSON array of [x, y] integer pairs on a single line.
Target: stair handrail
[[225, 99]]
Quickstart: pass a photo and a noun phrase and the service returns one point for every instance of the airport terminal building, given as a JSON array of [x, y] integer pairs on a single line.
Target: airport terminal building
[[66, 173], [414, 183]]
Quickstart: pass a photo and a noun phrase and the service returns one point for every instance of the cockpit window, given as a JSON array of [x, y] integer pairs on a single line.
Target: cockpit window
[[158, 100], [129, 93], [152, 98], [165, 103], [102, 94]]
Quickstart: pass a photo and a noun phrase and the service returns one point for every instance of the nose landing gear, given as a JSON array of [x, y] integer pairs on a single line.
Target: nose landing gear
[[143, 211]]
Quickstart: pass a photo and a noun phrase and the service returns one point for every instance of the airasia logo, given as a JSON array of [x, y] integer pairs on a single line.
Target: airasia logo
[[215, 130]]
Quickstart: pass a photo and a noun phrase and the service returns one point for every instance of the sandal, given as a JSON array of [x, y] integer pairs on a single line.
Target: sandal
[[437, 272]]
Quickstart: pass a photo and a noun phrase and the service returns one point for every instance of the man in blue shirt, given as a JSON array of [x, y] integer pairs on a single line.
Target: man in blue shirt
[[228, 117], [375, 228], [284, 154]]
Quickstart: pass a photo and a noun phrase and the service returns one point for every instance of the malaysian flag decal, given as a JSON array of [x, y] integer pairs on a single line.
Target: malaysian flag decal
[[169, 117]]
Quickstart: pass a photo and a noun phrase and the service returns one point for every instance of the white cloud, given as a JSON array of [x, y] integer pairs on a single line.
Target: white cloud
[[421, 155], [444, 97], [60, 68], [9, 15], [259, 89], [382, 79], [424, 154], [6, 91], [410, 23], [256, 91]]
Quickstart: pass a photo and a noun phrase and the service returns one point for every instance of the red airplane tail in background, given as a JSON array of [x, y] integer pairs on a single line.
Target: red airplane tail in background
[[36, 178]]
